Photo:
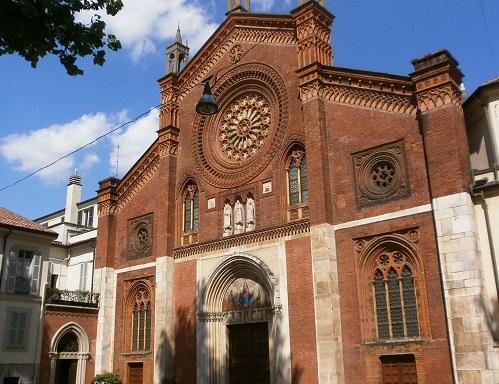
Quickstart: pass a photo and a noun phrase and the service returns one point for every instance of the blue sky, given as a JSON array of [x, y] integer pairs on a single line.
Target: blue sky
[[47, 114]]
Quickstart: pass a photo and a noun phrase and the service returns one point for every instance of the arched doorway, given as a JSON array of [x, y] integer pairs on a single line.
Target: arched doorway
[[240, 325], [68, 355]]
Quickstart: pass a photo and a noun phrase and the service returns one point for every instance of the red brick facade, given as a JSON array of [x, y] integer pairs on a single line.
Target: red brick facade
[[369, 139], [56, 318]]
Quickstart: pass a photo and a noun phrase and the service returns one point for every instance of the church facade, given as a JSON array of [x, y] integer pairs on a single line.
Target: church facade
[[310, 231]]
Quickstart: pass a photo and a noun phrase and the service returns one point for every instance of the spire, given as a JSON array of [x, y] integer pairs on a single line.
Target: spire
[[237, 6], [177, 54], [178, 38]]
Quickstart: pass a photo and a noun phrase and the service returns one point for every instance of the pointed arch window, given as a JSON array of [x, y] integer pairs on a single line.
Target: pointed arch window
[[395, 297], [191, 209], [141, 321], [297, 184]]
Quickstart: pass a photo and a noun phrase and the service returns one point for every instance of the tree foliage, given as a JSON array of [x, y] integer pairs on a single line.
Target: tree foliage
[[35, 28], [106, 378]]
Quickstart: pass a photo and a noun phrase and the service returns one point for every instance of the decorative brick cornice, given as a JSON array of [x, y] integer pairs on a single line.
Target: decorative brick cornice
[[137, 178], [106, 195], [237, 29], [243, 239], [437, 78], [377, 91], [313, 30], [442, 94], [168, 141]]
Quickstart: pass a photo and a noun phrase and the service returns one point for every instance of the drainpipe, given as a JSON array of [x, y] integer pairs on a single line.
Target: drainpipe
[[485, 208], [93, 269], [4, 256], [419, 118]]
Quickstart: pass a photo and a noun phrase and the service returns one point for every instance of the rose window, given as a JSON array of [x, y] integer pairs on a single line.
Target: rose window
[[382, 175], [244, 127]]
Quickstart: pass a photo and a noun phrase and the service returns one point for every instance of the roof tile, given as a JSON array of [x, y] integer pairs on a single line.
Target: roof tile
[[11, 219]]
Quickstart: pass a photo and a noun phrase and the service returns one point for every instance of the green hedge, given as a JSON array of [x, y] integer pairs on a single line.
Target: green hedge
[[106, 378]]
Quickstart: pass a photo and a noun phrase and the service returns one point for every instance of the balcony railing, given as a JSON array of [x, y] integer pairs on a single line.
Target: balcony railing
[[23, 285], [80, 298]]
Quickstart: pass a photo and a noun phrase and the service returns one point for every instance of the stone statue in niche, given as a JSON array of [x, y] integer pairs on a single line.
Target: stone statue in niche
[[227, 219], [238, 217], [250, 213]]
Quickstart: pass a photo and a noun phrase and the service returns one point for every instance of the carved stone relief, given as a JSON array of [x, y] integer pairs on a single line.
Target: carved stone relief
[[139, 237]]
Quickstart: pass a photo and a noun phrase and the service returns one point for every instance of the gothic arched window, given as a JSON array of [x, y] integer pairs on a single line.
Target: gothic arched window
[[395, 297], [141, 320], [297, 184], [191, 209]]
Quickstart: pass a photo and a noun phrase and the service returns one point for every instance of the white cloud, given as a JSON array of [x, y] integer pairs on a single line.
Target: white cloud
[[30, 151], [89, 161], [133, 142], [144, 27]]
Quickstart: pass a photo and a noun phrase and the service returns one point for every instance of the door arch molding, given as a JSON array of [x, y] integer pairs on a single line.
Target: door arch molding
[[212, 327], [82, 353]]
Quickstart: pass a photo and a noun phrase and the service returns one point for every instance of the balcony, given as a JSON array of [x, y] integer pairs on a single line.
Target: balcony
[[74, 298]]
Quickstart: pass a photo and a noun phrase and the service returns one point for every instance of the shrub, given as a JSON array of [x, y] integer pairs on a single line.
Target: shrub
[[106, 378], [166, 380]]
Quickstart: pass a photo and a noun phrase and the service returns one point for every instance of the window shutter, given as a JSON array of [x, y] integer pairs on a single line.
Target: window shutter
[[21, 327], [90, 217], [83, 276], [13, 329], [11, 272], [35, 273]]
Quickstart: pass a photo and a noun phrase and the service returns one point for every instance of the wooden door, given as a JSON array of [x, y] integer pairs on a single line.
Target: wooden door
[[65, 372], [399, 369], [249, 354], [135, 373]]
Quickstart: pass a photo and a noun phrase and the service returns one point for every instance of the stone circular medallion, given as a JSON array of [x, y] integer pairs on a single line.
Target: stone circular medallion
[[236, 144]]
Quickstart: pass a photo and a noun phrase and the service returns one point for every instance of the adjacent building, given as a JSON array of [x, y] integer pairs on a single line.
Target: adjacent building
[[24, 254]]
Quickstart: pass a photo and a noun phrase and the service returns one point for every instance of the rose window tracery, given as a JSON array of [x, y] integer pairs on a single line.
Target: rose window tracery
[[235, 145], [382, 175], [244, 127]]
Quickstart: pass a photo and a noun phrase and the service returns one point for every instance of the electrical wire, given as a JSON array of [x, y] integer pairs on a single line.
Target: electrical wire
[[78, 149], [111, 131]]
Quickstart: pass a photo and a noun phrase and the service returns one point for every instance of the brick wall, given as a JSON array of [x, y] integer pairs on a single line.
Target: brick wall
[[185, 322], [361, 350], [301, 311], [57, 317]]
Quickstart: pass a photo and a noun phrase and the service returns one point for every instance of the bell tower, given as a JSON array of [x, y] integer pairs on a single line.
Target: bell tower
[[238, 6], [176, 54]]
